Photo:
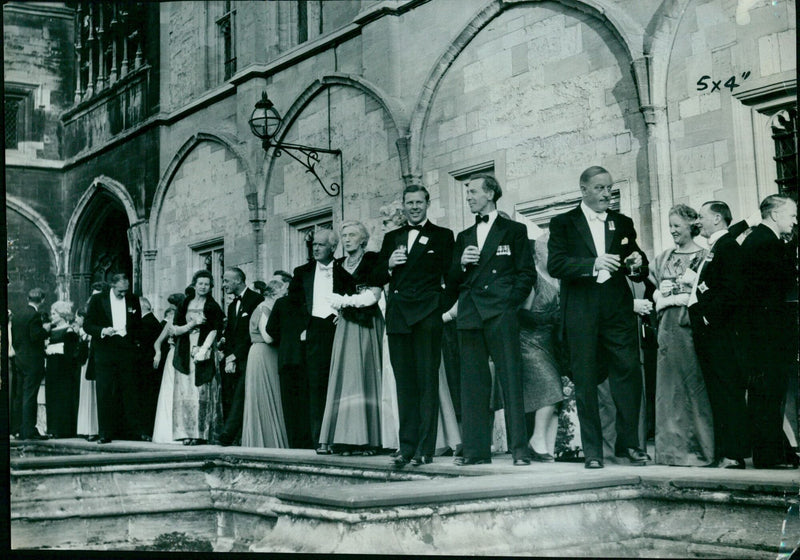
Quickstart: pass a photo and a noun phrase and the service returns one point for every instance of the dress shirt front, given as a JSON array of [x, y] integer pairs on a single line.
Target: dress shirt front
[[323, 289], [597, 226], [414, 233], [482, 229], [119, 313]]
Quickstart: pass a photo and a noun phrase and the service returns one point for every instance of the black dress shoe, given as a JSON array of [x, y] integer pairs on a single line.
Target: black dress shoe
[[103, 440], [145, 437], [36, 437], [399, 462], [540, 457], [636, 456], [521, 461], [419, 460], [469, 461], [94, 437], [593, 464]]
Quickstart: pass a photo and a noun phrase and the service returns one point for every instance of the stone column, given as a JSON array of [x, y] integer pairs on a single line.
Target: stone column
[[658, 167], [78, 52], [101, 50], [149, 288], [124, 33], [114, 29], [91, 42]]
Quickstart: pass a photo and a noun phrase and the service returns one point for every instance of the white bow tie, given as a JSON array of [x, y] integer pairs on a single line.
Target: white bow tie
[[599, 216]]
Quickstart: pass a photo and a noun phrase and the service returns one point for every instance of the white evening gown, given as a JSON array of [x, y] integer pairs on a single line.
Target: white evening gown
[[162, 428]]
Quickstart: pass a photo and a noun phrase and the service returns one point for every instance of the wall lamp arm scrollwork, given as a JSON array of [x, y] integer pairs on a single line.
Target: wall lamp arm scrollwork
[[266, 121]]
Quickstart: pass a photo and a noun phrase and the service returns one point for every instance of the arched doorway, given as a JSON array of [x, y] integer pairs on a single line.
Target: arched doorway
[[100, 245]]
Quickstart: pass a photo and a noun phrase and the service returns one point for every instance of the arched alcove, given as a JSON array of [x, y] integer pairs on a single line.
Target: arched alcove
[[33, 254]]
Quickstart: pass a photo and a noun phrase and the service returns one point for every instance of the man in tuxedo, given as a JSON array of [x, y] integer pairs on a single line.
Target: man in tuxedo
[[285, 326], [149, 378], [493, 270], [769, 328], [310, 294], [587, 248], [414, 260], [29, 335], [235, 350], [114, 321], [713, 305]]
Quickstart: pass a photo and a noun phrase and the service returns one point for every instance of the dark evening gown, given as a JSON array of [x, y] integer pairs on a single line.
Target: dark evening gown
[[61, 383]]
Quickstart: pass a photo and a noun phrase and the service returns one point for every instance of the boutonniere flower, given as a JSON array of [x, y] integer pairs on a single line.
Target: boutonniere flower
[[131, 310]]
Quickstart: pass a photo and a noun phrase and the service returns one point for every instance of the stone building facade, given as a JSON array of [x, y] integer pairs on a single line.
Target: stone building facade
[[134, 150]]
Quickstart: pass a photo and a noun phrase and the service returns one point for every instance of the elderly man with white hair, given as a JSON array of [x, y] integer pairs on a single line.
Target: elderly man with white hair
[[310, 294]]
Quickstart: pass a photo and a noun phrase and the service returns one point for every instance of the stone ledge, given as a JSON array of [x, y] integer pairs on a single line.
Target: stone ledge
[[451, 490]]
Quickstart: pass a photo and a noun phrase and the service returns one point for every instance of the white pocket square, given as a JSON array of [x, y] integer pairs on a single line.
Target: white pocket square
[[624, 241], [431, 251], [244, 314]]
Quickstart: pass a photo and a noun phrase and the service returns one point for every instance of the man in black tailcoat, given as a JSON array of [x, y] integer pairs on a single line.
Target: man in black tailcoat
[[414, 260], [29, 333], [493, 270], [236, 348], [713, 305], [309, 293], [769, 328], [588, 247], [114, 321]]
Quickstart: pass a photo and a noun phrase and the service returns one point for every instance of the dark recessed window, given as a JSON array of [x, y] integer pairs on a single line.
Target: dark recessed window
[[784, 134], [225, 27], [13, 121]]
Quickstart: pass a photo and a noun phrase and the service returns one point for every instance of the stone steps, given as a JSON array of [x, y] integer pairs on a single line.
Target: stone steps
[[134, 494]]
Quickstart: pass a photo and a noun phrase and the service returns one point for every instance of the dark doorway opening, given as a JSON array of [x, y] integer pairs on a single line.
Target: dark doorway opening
[[101, 246]]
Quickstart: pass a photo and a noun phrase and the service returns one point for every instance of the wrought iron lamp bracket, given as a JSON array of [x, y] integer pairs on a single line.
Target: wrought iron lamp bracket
[[309, 160]]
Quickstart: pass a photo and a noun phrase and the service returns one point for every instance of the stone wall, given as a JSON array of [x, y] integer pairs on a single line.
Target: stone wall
[[205, 200], [540, 93], [370, 162], [749, 47], [37, 53]]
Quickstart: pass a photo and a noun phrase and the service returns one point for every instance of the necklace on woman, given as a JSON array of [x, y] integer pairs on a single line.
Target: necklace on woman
[[353, 263]]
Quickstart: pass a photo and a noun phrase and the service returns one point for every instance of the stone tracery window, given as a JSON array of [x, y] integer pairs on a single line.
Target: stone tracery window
[[108, 44]]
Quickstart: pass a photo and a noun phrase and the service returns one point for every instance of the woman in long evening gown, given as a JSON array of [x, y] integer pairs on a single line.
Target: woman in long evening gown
[[87, 425], [684, 425], [262, 421], [162, 427], [196, 404], [352, 419], [61, 373]]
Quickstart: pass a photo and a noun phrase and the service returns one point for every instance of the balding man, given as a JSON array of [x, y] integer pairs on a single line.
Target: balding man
[[769, 328], [588, 247], [310, 294]]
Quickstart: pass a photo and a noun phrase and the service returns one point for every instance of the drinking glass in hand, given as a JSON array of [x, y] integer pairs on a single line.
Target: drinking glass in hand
[[630, 268]]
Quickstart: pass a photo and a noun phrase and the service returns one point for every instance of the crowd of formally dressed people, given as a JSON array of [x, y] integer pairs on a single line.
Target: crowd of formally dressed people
[[413, 349]]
